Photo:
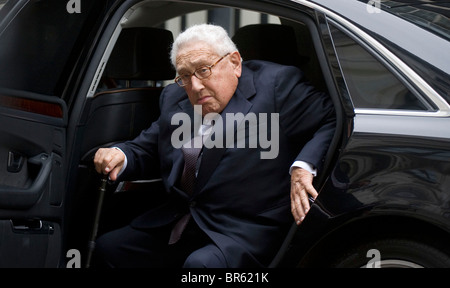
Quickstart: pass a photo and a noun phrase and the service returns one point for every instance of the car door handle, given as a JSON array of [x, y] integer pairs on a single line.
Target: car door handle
[[40, 167], [32, 226], [15, 162]]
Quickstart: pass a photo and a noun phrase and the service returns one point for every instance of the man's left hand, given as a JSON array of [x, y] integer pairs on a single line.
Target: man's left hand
[[301, 188]]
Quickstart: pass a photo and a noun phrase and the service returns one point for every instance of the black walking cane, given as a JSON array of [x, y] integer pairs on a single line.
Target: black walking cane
[[101, 195]]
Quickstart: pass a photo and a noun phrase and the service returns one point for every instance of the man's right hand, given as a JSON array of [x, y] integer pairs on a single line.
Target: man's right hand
[[109, 160]]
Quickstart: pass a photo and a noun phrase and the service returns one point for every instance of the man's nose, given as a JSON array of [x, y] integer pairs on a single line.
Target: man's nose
[[196, 83]]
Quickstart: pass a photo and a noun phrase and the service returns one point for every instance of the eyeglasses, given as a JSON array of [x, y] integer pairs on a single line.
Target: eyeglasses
[[201, 73]]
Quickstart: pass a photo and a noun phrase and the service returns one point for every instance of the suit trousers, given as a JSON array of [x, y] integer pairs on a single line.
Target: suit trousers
[[128, 247]]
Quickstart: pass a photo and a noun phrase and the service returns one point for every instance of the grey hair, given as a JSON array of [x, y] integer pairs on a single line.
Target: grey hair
[[215, 36]]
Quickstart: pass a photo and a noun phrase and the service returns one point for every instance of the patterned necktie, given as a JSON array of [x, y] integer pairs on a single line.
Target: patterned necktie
[[190, 164], [187, 183]]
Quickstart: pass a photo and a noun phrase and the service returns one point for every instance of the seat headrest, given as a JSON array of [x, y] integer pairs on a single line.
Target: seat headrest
[[270, 42], [141, 54]]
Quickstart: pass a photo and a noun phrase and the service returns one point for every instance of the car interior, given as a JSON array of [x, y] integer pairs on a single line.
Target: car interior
[[126, 101]]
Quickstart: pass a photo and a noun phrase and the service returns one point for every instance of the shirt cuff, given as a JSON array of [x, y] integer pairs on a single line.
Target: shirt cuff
[[305, 165], [124, 163]]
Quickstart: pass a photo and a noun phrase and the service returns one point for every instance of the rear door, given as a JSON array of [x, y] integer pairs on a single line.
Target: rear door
[[43, 46]]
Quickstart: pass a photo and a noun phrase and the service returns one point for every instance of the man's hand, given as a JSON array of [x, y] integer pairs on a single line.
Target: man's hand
[[301, 188], [109, 160]]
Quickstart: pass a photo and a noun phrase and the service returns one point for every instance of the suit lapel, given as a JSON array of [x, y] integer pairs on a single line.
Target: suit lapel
[[239, 103], [184, 106]]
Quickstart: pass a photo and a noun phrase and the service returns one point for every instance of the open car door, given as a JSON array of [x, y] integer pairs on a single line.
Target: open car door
[[43, 44]]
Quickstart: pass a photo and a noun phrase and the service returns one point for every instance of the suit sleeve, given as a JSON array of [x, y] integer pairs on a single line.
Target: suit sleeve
[[307, 115], [142, 153]]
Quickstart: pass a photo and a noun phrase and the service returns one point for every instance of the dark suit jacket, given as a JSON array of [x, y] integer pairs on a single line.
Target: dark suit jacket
[[240, 200]]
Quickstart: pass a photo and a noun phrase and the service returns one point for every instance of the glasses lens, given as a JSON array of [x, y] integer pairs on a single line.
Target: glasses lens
[[182, 81], [200, 73], [203, 72]]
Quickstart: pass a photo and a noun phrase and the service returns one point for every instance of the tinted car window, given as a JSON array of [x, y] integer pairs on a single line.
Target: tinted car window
[[370, 83], [39, 61]]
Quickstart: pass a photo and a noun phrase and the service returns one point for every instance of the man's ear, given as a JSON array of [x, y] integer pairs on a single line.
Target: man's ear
[[235, 59]]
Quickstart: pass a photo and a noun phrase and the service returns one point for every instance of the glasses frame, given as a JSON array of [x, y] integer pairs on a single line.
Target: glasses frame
[[180, 83]]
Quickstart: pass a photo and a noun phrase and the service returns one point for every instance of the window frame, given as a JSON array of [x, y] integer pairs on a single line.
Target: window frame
[[442, 107], [424, 87], [304, 15], [429, 105], [52, 78]]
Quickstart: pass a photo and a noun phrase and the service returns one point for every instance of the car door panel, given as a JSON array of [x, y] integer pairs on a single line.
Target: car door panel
[[32, 141], [29, 243]]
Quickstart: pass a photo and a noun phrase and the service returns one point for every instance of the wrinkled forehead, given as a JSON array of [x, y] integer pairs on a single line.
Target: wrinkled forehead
[[194, 54]]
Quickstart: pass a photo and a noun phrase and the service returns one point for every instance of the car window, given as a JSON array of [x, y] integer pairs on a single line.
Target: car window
[[230, 18], [370, 83], [41, 44]]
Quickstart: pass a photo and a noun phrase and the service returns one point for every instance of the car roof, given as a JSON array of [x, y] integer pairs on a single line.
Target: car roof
[[433, 16], [395, 3], [406, 31]]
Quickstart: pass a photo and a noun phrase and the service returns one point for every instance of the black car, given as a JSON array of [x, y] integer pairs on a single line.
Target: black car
[[79, 75]]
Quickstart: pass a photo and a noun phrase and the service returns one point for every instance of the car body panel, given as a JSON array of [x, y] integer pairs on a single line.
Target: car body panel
[[393, 165]]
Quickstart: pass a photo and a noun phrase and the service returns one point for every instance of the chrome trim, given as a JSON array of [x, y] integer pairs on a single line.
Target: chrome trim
[[394, 263], [442, 105], [109, 48], [103, 61], [397, 112]]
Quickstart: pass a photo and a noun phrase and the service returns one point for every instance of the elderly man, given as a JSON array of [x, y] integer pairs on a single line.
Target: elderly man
[[237, 210]]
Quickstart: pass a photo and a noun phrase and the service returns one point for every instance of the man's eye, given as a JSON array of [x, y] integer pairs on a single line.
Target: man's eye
[[203, 70]]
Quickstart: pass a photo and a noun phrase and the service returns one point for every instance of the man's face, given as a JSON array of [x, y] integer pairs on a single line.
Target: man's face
[[214, 92]]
